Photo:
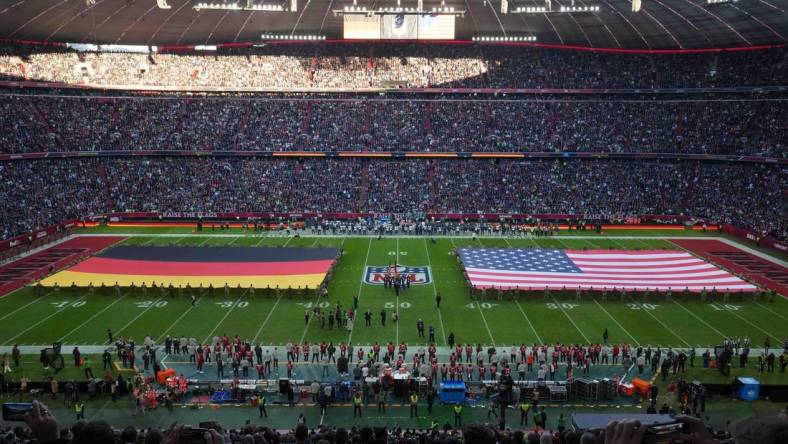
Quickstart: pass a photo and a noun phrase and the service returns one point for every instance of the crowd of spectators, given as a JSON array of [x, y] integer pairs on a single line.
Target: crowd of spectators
[[38, 193], [352, 66], [44, 428], [32, 123]]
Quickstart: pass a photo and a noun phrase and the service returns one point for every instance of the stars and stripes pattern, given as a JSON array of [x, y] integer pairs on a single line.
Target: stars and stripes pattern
[[537, 268]]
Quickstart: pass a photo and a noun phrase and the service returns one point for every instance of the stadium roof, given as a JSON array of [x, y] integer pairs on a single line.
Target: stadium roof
[[660, 24]]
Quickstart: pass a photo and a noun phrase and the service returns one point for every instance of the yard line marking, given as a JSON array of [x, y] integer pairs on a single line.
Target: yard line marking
[[317, 299], [138, 316], [179, 240], [262, 326], [203, 241], [479, 306], [396, 308], [658, 320], [747, 321], [262, 238], [38, 299], [700, 319], [588, 341], [315, 242], [288, 241], [93, 317], [179, 318], [360, 285], [225, 316], [234, 239], [529, 321], [769, 309], [521, 308], [616, 321], [435, 291], [148, 241], [42, 320]]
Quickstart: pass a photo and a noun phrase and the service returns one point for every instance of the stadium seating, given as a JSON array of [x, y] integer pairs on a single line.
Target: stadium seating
[[610, 124], [39, 193], [363, 65]]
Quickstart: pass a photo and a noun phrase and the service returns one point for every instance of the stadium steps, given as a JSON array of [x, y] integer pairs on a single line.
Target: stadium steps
[[242, 127], [306, 124], [105, 187], [362, 189], [45, 123]]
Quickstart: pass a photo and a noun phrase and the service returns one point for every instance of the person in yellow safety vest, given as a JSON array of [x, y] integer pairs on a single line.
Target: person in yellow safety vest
[[79, 409], [357, 400], [414, 404], [524, 408], [457, 415]]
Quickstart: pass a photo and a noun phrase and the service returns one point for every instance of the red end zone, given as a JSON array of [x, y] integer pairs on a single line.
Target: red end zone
[[762, 271], [21, 272]]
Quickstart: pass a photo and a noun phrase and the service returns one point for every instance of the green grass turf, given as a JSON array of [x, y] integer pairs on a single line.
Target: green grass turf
[[80, 318]]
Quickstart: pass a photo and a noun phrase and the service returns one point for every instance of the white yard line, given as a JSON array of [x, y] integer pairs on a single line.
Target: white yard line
[[10, 340], [152, 238], [138, 316], [315, 242], [360, 285], [700, 319], [396, 307], [770, 310], [288, 241], [93, 317], [235, 239], [262, 238], [529, 321], [37, 299], [197, 301], [225, 316], [203, 242], [262, 326], [643, 309], [558, 304], [521, 307], [616, 321], [435, 291], [778, 337]]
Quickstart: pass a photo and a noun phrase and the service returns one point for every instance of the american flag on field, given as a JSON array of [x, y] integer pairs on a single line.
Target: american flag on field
[[537, 268]]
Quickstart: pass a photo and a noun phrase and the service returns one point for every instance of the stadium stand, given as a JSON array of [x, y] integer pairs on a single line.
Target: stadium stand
[[40, 193], [364, 65], [53, 123]]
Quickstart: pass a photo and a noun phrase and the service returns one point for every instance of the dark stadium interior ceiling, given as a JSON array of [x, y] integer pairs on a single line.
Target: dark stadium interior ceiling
[[659, 24]]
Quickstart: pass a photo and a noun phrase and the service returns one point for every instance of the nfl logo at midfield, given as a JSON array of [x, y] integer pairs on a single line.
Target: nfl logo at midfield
[[416, 275]]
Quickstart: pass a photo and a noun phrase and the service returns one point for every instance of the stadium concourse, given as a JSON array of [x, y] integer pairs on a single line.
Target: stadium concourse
[[335, 228]]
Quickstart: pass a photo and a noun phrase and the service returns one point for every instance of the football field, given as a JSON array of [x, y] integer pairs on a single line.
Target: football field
[[79, 318]]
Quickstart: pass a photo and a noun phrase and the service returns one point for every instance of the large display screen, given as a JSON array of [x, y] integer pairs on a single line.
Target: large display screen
[[399, 27]]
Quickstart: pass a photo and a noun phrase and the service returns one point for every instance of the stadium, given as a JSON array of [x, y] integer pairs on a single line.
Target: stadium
[[393, 221]]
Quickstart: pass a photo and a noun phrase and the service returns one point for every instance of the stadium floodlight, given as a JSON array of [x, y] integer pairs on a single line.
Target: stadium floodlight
[[548, 9], [235, 6], [496, 38], [400, 10], [290, 37]]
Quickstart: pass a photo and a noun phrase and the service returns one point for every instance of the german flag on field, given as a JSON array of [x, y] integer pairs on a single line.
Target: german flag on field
[[218, 266]]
